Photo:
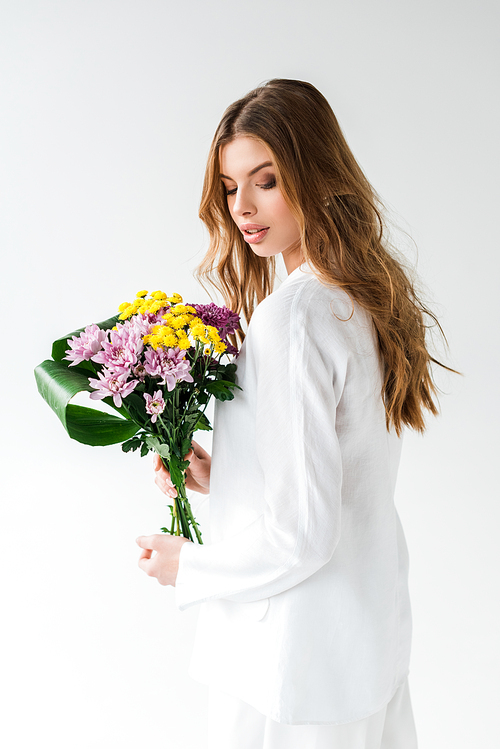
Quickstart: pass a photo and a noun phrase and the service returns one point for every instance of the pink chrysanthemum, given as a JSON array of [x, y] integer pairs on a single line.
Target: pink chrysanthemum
[[120, 353], [86, 345], [170, 364], [112, 384], [154, 404], [142, 324]]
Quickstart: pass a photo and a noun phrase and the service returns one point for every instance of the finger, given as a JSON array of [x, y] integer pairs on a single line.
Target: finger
[[145, 554], [199, 451], [148, 542], [161, 483], [163, 473], [166, 487], [157, 462], [145, 565]]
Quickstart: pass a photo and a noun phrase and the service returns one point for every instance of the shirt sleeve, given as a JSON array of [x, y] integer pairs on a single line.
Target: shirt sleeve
[[301, 367]]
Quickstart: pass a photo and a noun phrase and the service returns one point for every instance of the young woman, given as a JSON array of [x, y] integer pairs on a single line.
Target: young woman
[[304, 636]]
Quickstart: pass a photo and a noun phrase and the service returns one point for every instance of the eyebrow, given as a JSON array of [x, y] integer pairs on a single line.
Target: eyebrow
[[254, 171]]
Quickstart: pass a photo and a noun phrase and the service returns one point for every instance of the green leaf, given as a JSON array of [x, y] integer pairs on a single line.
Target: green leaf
[[226, 383], [203, 423], [188, 422], [159, 447], [91, 427], [60, 346], [186, 446], [136, 406], [152, 442], [164, 451], [177, 468], [222, 389], [57, 384], [121, 410], [230, 372], [133, 444]]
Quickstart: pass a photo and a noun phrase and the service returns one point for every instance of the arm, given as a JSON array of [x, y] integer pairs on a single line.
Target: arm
[[300, 374], [164, 563]]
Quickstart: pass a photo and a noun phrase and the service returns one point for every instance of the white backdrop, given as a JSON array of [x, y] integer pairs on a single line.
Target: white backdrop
[[107, 111]]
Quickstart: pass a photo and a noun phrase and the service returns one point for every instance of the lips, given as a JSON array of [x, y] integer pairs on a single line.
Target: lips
[[254, 232]]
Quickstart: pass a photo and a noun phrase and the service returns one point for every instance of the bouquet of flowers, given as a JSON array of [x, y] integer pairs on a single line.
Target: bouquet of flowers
[[157, 364]]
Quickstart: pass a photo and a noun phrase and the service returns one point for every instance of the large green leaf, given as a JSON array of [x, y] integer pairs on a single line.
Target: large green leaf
[[97, 428], [60, 346], [57, 384]]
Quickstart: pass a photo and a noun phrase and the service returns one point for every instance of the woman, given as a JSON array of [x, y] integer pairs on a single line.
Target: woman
[[305, 634]]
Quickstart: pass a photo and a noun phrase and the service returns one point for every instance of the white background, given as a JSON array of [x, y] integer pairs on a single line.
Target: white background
[[107, 111]]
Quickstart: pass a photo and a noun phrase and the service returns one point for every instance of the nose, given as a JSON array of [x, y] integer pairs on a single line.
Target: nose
[[243, 204]]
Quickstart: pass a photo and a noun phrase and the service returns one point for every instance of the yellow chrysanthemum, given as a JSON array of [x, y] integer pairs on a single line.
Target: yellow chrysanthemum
[[207, 351], [174, 299], [160, 295], [183, 343], [155, 306], [123, 306], [199, 334], [219, 347], [179, 309], [191, 309], [128, 312], [142, 293], [180, 321], [169, 341], [213, 334], [155, 341]]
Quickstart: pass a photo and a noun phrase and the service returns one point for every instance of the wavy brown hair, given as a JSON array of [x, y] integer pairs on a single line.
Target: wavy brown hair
[[342, 235]]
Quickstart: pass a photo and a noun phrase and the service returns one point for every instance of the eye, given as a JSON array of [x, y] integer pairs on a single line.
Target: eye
[[269, 185], [231, 192]]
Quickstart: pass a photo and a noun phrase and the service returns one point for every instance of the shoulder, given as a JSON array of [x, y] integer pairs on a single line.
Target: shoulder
[[305, 305]]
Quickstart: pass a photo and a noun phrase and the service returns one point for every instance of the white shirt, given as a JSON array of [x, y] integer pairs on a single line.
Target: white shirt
[[306, 612]]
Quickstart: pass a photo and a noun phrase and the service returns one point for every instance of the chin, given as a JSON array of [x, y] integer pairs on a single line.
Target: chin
[[262, 252]]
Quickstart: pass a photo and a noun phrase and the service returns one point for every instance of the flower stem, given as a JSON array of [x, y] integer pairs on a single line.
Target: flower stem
[[184, 515]]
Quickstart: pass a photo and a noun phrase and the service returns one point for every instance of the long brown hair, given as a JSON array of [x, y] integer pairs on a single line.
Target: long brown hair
[[342, 235]]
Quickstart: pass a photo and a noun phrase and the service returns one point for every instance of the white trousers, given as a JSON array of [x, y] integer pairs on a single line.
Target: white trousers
[[232, 724]]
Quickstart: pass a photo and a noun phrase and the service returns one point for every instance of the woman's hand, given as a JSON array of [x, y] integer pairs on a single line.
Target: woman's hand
[[197, 475], [164, 565]]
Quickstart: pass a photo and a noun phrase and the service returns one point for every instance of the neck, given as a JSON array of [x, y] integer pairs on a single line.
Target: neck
[[293, 259]]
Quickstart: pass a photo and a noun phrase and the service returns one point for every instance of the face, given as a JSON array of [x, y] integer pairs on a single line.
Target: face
[[256, 203]]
